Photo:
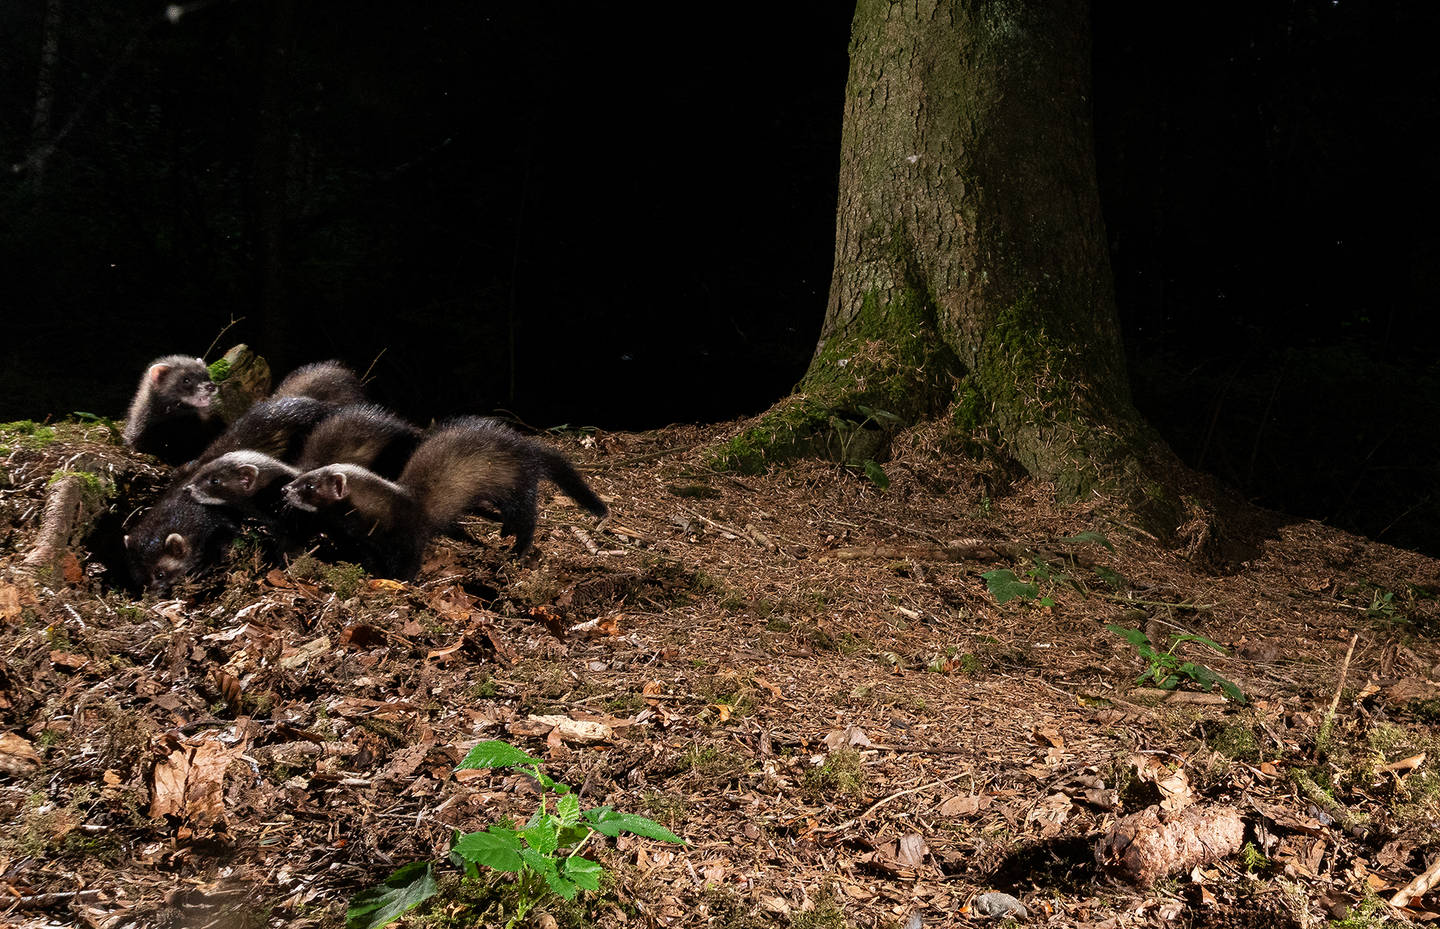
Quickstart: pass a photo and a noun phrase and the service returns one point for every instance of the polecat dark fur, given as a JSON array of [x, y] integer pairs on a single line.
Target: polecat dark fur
[[363, 434], [237, 479], [329, 381], [173, 415], [178, 536], [465, 464], [175, 538]]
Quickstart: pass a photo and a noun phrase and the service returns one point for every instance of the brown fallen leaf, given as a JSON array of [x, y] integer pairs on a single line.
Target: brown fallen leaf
[[448, 650], [17, 756], [1174, 785], [963, 805], [189, 782], [9, 601]]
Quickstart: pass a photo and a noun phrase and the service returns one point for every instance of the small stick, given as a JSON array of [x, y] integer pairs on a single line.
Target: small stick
[[364, 377], [221, 334], [1344, 670], [1419, 886], [895, 796], [585, 540]]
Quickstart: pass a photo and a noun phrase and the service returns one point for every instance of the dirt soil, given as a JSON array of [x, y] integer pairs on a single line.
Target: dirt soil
[[804, 675]]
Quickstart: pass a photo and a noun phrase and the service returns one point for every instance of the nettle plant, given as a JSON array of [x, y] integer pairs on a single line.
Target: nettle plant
[[544, 854]]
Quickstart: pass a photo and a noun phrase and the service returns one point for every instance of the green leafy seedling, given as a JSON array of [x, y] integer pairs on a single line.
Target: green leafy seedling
[[544, 854], [1167, 670]]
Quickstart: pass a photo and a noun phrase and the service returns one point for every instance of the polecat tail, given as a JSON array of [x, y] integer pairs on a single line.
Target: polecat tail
[[559, 470]]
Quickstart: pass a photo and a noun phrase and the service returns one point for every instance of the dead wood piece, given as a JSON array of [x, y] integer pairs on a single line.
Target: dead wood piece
[[1152, 844], [966, 551], [246, 381], [64, 509], [1355, 825], [1418, 887]]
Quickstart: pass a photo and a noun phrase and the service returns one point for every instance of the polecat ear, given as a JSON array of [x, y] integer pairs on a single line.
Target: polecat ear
[[248, 475], [339, 485], [176, 546], [156, 372]]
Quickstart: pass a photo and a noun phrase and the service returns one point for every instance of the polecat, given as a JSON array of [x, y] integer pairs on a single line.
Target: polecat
[[363, 434], [178, 536], [329, 381], [465, 464], [175, 538], [173, 415]]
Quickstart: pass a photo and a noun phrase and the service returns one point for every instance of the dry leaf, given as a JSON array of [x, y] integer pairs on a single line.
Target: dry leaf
[[17, 757], [1050, 737], [229, 687], [448, 650], [571, 730], [849, 737], [775, 691], [190, 781], [9, 601], [1174, 786], [296, 657], [963, 805], [911, 850]]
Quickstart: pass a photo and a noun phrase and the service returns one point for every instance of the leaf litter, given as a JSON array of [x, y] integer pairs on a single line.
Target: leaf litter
[[813, 680]]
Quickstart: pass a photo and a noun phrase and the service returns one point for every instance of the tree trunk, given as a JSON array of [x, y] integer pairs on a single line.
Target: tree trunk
[[42, 134], [971, 273]]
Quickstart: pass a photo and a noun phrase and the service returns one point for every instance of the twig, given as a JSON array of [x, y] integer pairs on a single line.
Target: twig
[[586, 541], [42, 901], [1179, 605], [221, 334], [731, 530], [1344, 670], [895, 796], [375, 361], [1419, 886]]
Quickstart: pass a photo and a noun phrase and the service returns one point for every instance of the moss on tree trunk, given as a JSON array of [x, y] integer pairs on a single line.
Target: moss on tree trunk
[[971, 272]]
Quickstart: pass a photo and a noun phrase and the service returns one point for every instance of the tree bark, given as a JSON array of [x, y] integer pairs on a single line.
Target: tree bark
[[971, 269]]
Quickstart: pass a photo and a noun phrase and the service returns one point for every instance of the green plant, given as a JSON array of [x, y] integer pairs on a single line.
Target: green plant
[[1167, 670], [848, 430], [544, 854]]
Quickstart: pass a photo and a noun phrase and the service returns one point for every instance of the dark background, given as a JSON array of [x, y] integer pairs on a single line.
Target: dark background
[[623, 216]]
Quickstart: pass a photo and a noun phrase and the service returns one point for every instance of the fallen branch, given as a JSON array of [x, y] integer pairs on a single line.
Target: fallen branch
[[63, 505], [1418, 887], [895, 796]]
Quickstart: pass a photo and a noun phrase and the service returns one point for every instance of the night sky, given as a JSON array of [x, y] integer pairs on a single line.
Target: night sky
[[624, 216]]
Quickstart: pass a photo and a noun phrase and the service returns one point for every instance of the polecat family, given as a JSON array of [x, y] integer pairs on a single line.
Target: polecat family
[[329, 381], [177, 535], [363, 434], [468, 463], [173, 415]]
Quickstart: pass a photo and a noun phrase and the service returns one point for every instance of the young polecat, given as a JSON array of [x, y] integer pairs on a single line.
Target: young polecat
[[238, 479], [173, 415], [329, 381], [178, 536], [465, 464], [363, 434]]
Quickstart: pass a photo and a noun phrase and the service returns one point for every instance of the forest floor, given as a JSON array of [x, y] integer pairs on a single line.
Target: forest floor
[[805, 676]]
